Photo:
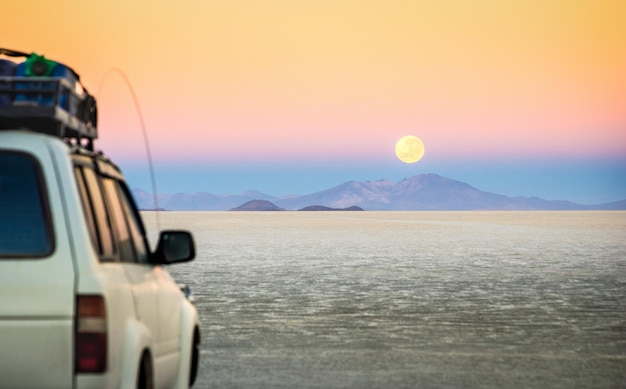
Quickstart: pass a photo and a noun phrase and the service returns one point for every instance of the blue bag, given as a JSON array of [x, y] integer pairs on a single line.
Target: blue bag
[[7, 69], [51, 94]]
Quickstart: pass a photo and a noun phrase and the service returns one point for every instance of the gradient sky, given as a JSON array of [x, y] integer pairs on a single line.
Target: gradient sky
[[284, 96]]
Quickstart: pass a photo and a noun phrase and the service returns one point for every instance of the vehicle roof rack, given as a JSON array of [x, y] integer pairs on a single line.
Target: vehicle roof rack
[[45, 96]]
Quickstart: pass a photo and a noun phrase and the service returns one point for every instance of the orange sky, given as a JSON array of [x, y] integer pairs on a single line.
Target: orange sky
[[324, 79]]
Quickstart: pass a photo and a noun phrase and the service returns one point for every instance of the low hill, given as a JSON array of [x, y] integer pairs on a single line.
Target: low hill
[[257, 205], [323, 208]]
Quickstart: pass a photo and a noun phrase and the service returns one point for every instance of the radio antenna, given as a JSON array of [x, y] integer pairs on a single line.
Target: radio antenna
[[145, 135]]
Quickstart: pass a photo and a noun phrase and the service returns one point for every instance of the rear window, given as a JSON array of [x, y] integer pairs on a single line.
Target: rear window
[[25, 228]]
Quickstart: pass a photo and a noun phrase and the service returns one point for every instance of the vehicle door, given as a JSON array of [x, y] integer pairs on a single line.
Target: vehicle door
[[157, 298], [133, 257]]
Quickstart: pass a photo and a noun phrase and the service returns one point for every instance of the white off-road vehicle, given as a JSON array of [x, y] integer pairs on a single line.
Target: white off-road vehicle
[[84, 302]]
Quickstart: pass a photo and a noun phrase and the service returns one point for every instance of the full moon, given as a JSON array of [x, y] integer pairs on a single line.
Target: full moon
[[410, 149]]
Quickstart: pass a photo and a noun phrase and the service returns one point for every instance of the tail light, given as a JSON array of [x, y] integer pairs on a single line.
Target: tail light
[[90, 342]]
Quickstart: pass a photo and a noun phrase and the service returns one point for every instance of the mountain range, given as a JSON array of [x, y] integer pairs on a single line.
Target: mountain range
[[421, 192]]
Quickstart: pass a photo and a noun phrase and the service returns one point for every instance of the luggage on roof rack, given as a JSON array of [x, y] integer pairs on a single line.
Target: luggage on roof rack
[[45, 96]]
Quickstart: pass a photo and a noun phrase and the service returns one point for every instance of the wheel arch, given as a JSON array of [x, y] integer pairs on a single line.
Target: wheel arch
[[190, 336], [137, 342]]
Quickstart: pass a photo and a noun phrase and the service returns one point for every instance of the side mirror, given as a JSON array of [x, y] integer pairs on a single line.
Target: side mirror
[[174, 246]]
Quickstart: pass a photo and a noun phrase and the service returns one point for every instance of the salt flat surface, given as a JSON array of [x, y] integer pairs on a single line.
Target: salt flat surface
[[408, 299]]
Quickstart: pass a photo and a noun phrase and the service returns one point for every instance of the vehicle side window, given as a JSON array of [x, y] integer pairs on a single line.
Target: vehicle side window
[[120, 223], [137, 230], [25, 219], [93, 203], [86, 202]]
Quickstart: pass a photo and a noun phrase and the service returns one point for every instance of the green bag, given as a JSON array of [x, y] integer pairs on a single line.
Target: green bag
[[38, 66]]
